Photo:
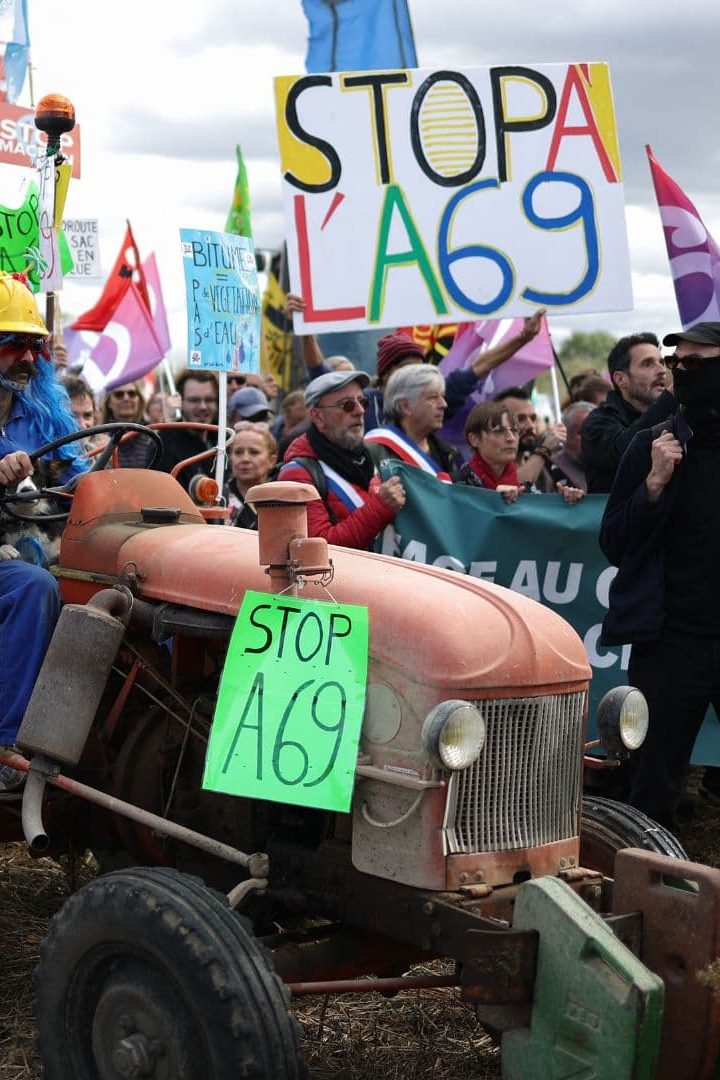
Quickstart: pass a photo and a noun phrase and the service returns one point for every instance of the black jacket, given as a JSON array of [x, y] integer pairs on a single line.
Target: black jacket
[[631, 536], [181, 443], [609, 430]]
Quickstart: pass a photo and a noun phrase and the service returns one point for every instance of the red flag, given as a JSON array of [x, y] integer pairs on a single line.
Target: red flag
[[127, 269]]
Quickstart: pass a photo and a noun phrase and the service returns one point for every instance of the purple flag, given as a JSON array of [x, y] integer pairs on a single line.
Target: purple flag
[[157, 303], [128, 347], [527, 363], [694, 256]]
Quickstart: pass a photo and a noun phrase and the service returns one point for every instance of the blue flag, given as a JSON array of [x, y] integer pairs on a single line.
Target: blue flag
[[359, 35]]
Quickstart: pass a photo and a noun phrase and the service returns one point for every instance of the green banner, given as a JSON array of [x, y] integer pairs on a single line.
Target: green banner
[[291, 702], [538, 546], [20, 239]]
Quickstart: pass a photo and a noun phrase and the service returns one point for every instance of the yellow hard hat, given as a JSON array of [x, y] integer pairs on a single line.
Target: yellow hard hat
[[18, 311]]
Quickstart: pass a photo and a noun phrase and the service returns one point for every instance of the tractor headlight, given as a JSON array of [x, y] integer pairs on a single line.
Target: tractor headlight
[[622, 720], [454, 734]]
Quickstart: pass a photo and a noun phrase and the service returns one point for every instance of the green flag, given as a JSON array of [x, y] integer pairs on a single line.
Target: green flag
[[20, 239], [238, 221]]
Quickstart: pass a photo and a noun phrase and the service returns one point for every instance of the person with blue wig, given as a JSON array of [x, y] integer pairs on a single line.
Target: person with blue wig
[[34, 410]]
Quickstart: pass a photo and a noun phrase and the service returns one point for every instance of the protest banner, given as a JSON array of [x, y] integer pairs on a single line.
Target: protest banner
[[84, 240], [538, 546], [291, 701], [441, 196], [223, 301], [21, 142], [20, 237]]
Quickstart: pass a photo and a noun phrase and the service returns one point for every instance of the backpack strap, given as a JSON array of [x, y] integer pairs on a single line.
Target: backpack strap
[[312, 466], [664, 425]]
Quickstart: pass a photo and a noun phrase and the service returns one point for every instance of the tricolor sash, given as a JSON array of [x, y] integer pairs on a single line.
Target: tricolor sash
[[348, 495], [406, 449]]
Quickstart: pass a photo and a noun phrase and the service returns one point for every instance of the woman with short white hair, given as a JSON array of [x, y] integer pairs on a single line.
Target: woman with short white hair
[[414, 405]]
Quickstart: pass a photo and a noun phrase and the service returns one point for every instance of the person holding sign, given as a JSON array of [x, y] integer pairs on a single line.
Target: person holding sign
[[354, 505], [661, 528]]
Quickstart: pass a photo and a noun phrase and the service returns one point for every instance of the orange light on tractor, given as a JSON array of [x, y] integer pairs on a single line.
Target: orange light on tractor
[[55, 114], [204, 490]]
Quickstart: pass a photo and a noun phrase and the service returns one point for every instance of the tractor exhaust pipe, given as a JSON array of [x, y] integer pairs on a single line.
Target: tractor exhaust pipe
[[67, 693]]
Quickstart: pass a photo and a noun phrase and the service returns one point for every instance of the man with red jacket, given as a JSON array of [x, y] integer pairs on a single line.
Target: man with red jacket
[[355, 506]]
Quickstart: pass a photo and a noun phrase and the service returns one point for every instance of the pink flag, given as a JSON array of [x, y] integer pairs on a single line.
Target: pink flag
[[157, 304], [694, 256], [527, 363], [128, 347]]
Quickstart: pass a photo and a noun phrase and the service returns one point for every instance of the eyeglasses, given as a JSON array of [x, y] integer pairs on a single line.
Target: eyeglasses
[[348, 404], [239, 379], [500, 429], [124, 393], [35, 344], [200, 401], [691, 362]]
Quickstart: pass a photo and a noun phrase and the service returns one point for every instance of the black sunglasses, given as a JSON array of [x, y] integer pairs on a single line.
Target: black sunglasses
[[691, 362], [348, 404], [35, 344]]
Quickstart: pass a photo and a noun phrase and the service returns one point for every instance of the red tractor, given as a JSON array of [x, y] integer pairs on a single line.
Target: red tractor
[[468, 837]]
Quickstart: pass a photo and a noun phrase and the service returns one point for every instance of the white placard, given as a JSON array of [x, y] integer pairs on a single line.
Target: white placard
[[443, 196], [84, 242]]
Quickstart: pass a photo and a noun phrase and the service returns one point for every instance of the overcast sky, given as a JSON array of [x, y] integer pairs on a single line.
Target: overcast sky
[[164, 89]]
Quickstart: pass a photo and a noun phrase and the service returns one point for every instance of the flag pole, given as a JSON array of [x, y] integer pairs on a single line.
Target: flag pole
[[54, 115], [555, 394], [222, 421]]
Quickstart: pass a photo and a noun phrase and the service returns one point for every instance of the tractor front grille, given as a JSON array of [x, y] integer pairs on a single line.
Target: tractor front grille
[[523, 791]]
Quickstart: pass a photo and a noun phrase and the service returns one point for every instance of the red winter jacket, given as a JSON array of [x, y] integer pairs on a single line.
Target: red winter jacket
[[355, 528]]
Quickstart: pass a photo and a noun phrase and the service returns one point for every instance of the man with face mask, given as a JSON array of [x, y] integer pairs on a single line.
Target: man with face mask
[[661, 528]]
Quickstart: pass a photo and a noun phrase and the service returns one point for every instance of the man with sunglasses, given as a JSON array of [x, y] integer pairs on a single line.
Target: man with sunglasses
[[34, 410], [354, 505], [638, 400], [661, 528]]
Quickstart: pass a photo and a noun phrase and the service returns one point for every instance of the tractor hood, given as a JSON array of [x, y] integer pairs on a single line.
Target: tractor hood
[[444, 628]]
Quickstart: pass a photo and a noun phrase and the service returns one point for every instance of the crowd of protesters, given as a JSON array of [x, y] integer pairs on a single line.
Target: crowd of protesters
[[660, 440]]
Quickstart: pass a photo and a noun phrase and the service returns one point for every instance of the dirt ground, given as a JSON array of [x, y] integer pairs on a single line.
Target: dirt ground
[[413, 1036]]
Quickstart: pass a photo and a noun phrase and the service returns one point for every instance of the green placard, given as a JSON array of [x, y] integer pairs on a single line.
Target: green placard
[[291, 701]]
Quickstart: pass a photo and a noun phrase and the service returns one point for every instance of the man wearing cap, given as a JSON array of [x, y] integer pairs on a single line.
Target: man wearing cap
[[249, 403], [661, 528], [639, 399], [34, 410], [354, 505]]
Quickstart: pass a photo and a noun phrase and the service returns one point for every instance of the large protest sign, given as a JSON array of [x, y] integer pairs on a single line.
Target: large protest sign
[[424, 196], [290, 707], [223, 301], [538, 546]]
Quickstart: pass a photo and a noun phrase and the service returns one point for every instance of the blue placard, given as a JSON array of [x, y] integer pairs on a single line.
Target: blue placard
[[223, 301]]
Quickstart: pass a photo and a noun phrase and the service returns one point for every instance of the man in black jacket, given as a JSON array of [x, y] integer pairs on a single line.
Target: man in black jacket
[[198, 392], [639, 400], [661, 527]]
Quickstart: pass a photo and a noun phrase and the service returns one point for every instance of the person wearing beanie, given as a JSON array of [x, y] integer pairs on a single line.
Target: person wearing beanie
[[354, 504], [661, 528]]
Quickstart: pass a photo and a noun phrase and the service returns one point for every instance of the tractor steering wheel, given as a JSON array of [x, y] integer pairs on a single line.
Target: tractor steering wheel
[[116, 432]]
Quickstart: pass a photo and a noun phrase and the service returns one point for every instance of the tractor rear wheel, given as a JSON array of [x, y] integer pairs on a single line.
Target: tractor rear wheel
[[147, 973]]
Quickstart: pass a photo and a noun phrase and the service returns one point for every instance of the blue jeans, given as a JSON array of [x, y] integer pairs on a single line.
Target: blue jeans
[[29, 609]]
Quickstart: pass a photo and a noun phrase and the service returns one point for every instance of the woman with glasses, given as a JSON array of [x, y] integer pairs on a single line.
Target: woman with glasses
[[492, 434], [126, 405], [252, 458]]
